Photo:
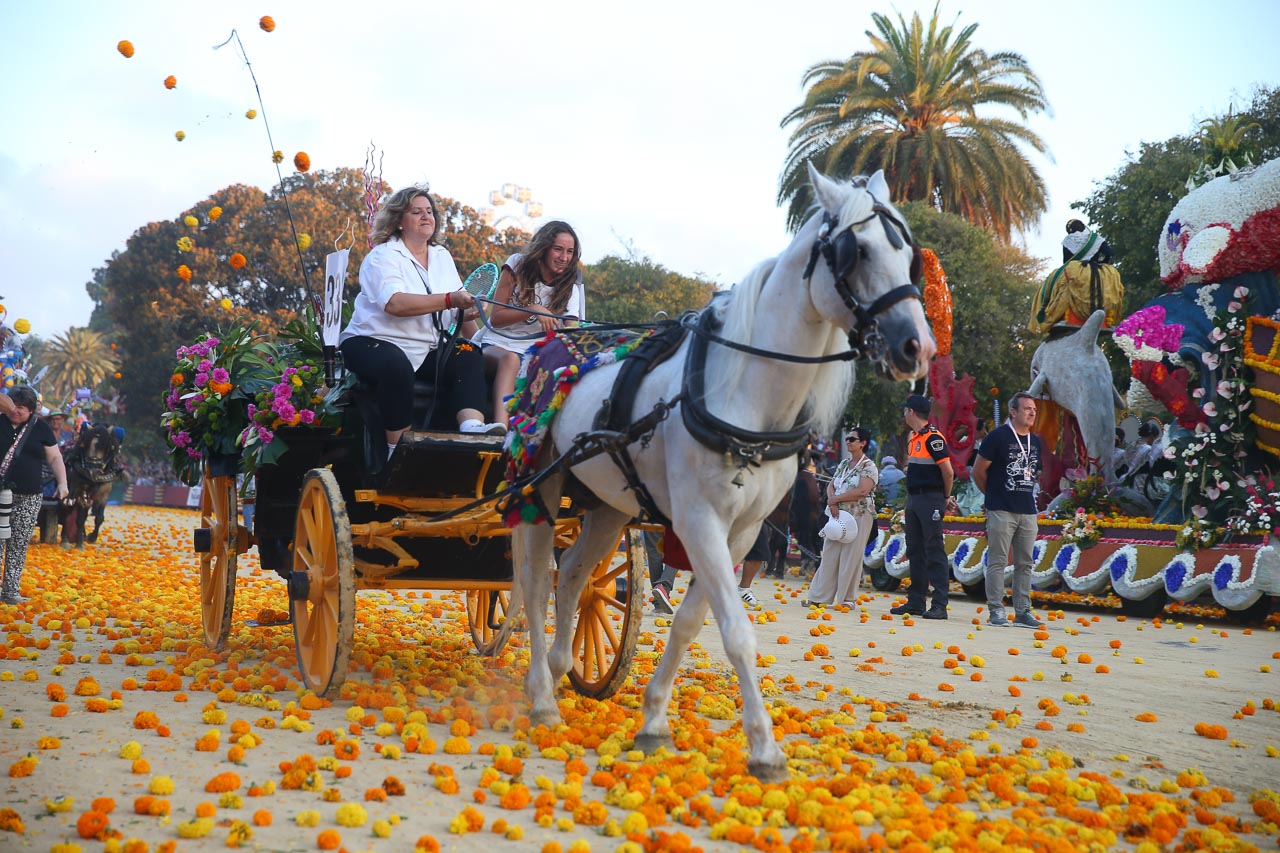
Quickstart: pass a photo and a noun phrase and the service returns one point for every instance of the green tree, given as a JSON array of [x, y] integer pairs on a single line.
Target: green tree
[[910, 105], [992, 284], [634, 289]]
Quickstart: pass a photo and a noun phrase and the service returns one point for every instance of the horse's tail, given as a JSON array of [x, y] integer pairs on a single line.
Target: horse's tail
[[519, 551]]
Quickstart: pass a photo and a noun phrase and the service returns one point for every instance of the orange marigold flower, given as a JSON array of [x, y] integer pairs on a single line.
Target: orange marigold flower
[[393, 786], [330, 839], [237, 261], [93, 825], [1147, 717], [262, 817], [87, 687], [23, 767], [126, 48], [347, 750], [184, 272], [11, 821], [206, 809], [937, 300], [55, 692], [106, 805], [145, 720], [301, 161], [222, 783], [58, 710], [267, 23], [170, 82]]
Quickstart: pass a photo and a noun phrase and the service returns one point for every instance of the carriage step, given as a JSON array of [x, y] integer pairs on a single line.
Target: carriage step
[[202, 540]]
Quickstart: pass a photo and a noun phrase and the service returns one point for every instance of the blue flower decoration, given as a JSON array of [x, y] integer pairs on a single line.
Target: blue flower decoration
[[1174, 575], [891, 553], [1119, 565], [1062, 561], [961, 554], [1222, 574], [871, 546]]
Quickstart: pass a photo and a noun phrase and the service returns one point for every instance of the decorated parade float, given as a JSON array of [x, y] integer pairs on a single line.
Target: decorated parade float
[[1202, 523]]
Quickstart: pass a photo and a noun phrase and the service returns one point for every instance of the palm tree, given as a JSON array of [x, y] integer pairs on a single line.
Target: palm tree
[[1223, 139], [78, 358], [909, 105]]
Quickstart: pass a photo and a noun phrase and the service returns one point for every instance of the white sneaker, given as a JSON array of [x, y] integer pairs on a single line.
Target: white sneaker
[[475, 427], [748, 597]]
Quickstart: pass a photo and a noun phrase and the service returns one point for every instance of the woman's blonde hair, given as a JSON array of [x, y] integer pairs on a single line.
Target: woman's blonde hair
[[387, 223]]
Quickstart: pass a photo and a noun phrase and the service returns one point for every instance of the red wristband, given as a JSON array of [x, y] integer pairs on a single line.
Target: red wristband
[[448, 300]]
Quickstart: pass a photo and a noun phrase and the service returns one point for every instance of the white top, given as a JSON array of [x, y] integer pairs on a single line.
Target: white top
[[498, 336], [388, 269]]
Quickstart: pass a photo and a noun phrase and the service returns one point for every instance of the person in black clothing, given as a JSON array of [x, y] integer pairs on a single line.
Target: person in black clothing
[[929, 480], [26, 443]]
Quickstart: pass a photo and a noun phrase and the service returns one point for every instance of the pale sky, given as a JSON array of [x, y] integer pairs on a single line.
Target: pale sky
[[655, 123]]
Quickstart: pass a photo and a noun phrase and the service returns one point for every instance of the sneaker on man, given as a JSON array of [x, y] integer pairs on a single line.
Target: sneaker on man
[[997, 618], [1026, 620], [662, 599], [748, 597]]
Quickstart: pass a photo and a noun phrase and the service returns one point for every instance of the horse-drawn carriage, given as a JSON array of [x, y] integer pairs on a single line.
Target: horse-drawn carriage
[[335, 516]]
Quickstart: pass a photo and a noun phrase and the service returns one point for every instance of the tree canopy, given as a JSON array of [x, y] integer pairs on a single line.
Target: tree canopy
[[635, 288], [913, 105]]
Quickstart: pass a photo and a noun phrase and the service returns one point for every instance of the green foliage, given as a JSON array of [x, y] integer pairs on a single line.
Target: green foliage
[[635, 289], [991, 289], [910, 105]]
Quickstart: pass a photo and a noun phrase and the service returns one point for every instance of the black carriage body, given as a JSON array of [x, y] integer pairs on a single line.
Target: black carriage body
[[426, 465]]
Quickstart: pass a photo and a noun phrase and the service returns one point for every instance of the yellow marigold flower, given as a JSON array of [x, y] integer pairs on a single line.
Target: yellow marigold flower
[[307, 818], [304, 241], [131, 750], [230, 800], [180, 135], [198, 828], [514, 832], [186, 244], [457, 746], [382, 829], [58, 805], [162, 786], [277, 157], [225, 304], [190, 221], [238, 833], [351, 814], [251, 114], [22, 325], [126, 48], [65, 847]]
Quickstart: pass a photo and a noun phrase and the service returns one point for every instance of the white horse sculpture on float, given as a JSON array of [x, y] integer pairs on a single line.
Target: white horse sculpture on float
[[794, 305]]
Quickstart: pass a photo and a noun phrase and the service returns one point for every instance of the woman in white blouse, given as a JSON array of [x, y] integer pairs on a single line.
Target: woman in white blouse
[[839, 574], [545, 286], [409, 293]]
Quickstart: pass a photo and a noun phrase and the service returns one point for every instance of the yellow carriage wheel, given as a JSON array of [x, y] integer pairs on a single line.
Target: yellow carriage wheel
[[608, 624], [216, 541], [487, 609], [322, 585]]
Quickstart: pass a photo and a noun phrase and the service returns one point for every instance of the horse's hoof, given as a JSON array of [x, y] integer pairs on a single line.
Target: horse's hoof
[[767, 773], [550, 719], [79, 546], [649, 744]]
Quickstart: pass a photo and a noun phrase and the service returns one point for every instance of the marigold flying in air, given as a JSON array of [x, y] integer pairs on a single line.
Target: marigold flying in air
[[267, 23], [301, 161], [126, 48]]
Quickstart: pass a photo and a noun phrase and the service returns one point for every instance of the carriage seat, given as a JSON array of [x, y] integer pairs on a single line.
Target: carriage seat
[[365, 399]]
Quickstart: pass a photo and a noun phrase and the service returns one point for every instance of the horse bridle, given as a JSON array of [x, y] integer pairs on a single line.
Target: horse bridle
[[841, 254]]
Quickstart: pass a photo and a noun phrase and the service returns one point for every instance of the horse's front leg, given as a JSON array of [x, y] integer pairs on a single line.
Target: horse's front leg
[[595, 544], [656, 730], [532, 550], [737, 632], [99, 515]]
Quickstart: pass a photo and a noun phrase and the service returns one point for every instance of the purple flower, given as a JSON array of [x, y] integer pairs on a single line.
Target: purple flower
[[307, 416], [265, 435], [220, 375], [204, 366], [201, 379], [283, 389], [286, 411]]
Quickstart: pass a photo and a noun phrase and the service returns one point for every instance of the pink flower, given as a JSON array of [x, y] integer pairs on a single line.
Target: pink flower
[[1210, 410]]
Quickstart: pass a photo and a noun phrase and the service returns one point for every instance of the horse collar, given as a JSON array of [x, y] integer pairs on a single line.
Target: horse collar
[[840, 251], [740, 445]]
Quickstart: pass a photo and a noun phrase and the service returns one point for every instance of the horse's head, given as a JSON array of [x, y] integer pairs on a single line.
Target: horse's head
[[96, 445], [862, 273]]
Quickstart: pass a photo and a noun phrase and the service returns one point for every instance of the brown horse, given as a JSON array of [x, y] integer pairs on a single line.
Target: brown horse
[[93, 464]]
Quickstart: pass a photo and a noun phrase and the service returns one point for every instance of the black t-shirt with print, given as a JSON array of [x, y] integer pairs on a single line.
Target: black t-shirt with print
[[1015, 466], [24, 475]]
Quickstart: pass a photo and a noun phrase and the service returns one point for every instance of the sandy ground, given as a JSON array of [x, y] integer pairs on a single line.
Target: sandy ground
[[140, 586]]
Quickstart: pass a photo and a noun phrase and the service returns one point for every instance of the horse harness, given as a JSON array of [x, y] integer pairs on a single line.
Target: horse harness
[[841, 253]]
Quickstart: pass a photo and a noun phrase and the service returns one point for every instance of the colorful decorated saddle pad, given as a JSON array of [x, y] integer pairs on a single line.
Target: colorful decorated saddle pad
[[548, 371]]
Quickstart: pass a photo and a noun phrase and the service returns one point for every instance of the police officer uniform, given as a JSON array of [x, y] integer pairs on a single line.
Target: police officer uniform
[[922, 519]]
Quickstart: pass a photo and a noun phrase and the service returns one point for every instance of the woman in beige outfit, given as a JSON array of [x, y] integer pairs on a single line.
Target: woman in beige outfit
[[839, 574]]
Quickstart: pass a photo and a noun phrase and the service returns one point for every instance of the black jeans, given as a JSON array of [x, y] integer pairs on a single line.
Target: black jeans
[[926, 550], [384, 365]]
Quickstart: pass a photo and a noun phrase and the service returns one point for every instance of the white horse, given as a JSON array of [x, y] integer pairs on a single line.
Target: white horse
[[792, 305]]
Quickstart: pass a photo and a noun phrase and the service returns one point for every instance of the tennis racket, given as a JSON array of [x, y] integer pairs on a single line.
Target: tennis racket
[[482, 282]]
